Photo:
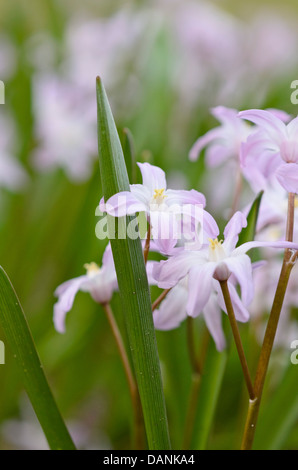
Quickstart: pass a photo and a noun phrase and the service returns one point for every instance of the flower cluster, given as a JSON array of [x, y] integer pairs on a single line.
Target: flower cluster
[[198, 260]]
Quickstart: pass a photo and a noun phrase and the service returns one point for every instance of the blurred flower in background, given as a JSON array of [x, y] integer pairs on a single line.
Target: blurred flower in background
[[12, 174], [65, 130]]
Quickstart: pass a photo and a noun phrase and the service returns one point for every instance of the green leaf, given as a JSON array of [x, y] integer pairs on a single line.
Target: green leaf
[[133, 283], [279, 415], [248, 233], [129, 155], [211, 380], [18, 335]]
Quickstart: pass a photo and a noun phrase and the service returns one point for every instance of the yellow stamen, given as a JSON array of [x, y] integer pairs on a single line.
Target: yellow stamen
[[159, 195], [214, 243], [216, 250], [92, 268]]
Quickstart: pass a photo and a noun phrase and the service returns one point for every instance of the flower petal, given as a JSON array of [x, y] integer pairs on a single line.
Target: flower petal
[[172, 310], [287, 176], [216, 154], [213, 318], [292, 128], [241, 267], [164, 229], [200, 280], [153, 177], [149, 269], [180, 197], [274, 127], [206, 139], [232, 230], [66, 293], [240, 250], [121, 204], [107, 258], [168, 273]]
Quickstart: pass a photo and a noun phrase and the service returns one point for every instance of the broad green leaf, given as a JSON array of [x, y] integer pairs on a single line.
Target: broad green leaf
[[19, 338], [132, 281], [248, 233]]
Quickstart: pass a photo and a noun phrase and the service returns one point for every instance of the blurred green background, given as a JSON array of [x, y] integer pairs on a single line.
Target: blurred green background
[[164, 65]]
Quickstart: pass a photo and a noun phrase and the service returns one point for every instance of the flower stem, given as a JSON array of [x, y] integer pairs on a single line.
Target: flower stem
[[237, 338], [133, 390], [253, 409], [147, 244], [160, 299]]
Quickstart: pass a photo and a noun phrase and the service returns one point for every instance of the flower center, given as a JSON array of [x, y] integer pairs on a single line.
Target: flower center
[[216, 250], [159, 196], [92, 269]]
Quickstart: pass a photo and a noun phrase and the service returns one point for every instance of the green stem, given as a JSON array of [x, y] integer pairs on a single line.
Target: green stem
[[133, 390], [262, 368], [237, 338], [147, 244], [160, 299]]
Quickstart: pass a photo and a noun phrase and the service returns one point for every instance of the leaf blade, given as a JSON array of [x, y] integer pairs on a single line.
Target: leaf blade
[[19, 337], [133, 284]]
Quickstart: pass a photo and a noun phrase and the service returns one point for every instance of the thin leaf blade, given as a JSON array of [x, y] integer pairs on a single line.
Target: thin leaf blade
[[133, 284], [21, 343]]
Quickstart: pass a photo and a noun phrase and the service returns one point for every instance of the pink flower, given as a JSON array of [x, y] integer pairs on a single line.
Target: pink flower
[[219, 261], [275, 145], [65, 128], [173, 311], [222, 142], [164, 208], [100, 282]]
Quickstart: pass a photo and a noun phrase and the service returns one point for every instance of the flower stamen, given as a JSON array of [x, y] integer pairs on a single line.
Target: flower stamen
[[159, 196], [216, 250], [92, 269]]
